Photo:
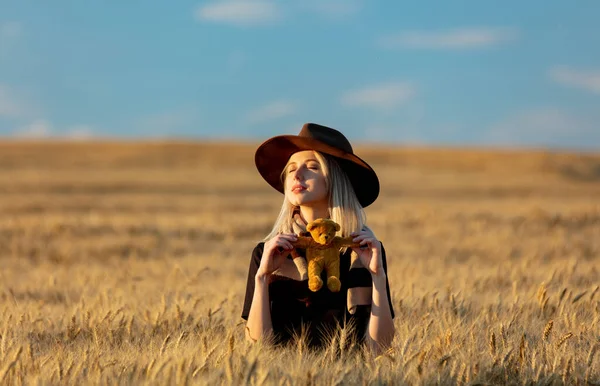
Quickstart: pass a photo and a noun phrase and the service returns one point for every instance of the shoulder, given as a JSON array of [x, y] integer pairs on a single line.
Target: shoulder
[[257, 253], [258, 249]]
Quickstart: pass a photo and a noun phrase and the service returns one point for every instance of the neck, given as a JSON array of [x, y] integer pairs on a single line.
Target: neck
[[311, 213]]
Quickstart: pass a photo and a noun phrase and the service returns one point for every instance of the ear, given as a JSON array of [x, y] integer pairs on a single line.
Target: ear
[[310, 226], [337, 227]]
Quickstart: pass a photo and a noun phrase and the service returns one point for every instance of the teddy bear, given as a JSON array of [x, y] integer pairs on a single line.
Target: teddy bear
[[322, 252]]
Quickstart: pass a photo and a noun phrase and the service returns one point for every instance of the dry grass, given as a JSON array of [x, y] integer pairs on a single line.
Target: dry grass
[[126, 263]]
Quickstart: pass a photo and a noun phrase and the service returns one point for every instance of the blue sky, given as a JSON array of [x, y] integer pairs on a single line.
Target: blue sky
[[508, 73]]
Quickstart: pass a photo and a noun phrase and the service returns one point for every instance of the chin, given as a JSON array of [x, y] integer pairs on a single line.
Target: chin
[[301, 202], [304, 199]]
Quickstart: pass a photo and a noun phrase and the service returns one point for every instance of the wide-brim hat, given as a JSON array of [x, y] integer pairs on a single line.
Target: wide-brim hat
[[273, 154]]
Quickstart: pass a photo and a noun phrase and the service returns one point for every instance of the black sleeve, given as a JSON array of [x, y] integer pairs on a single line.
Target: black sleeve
[[254, 264], [387, 284]]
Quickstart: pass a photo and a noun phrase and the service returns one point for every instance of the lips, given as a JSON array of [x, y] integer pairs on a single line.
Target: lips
[[297, 188]]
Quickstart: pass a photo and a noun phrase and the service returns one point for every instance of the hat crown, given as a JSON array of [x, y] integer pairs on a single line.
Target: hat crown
[[327, 135], [272, 156]]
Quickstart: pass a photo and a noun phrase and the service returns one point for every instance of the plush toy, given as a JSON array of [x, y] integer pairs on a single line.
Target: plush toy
[[322, 253]]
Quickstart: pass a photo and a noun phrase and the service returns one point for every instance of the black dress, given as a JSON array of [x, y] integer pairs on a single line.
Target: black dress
[[296, 310]]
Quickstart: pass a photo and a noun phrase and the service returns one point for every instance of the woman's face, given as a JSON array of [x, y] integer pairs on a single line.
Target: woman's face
[[305, 181]]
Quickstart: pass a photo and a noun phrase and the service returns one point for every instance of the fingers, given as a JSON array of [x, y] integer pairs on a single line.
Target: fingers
[[287, 240], [362, 233], [364, 239], [283, 242], [284, 245], [288, 236], [282, 250]]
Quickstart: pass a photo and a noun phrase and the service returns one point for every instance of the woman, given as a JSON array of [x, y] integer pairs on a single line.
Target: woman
[[320, 177]]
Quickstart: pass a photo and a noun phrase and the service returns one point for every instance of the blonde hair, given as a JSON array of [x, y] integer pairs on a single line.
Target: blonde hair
[[344, 207]]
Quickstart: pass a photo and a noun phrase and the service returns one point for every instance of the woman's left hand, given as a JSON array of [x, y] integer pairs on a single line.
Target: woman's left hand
[[369, 252]]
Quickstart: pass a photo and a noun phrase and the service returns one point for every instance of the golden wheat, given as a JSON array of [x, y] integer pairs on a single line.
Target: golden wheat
[[127, 263], [547, 330]]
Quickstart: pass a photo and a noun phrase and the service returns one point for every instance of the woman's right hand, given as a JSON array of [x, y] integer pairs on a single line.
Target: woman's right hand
[[274, 253]]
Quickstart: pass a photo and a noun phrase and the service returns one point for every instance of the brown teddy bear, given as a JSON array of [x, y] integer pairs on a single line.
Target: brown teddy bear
[[322, 253]]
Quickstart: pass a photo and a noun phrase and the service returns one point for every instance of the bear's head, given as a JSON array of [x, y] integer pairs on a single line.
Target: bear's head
[[323, 230]]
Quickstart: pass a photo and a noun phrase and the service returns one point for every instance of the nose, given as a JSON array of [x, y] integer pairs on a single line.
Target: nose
[[298, 174]]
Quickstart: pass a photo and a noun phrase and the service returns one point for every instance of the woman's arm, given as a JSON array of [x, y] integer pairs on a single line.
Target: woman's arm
[[259, 323], [381, 326], [380, 331]]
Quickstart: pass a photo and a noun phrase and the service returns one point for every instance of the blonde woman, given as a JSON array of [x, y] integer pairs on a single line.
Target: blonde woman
[[320, 177]]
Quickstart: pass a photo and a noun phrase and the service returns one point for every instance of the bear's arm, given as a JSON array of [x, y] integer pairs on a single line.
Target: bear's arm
[[304, 242], [340, 242]]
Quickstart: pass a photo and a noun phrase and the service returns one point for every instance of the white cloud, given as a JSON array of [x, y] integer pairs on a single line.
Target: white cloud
[[80, 133], [43, 129], [37, 129], [545, 126], [271, 111], [454, 39], [586, 80], [380, 96], [265, 12], [239, 12]]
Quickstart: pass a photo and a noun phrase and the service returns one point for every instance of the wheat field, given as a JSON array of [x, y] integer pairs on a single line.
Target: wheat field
[[126, 263]]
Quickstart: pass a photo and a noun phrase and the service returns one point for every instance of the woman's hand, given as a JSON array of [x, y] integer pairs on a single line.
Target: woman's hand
[[369, 252], [274, 253]]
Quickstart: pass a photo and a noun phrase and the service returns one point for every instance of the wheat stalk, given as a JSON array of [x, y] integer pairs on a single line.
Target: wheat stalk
[[231, 343], [594, 292], [567, 370], [448, 337], [251, 372], [562, 295], [422, 356], [182, 336], [407, 344], [444, 360], [547, 330], [160, 369], [541, 293], [590, 357], [163, 347], [564, 339], [578, 296], [492, 344], [12, 364]]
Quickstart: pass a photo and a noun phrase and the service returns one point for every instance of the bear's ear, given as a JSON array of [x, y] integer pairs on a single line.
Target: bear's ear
[[337, 227], [310, 226]]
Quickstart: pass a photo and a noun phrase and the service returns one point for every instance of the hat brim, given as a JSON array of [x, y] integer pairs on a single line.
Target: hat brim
[[272, 156]]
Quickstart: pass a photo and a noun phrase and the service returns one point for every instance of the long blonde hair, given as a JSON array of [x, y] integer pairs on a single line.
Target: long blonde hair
[[344, 207]]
